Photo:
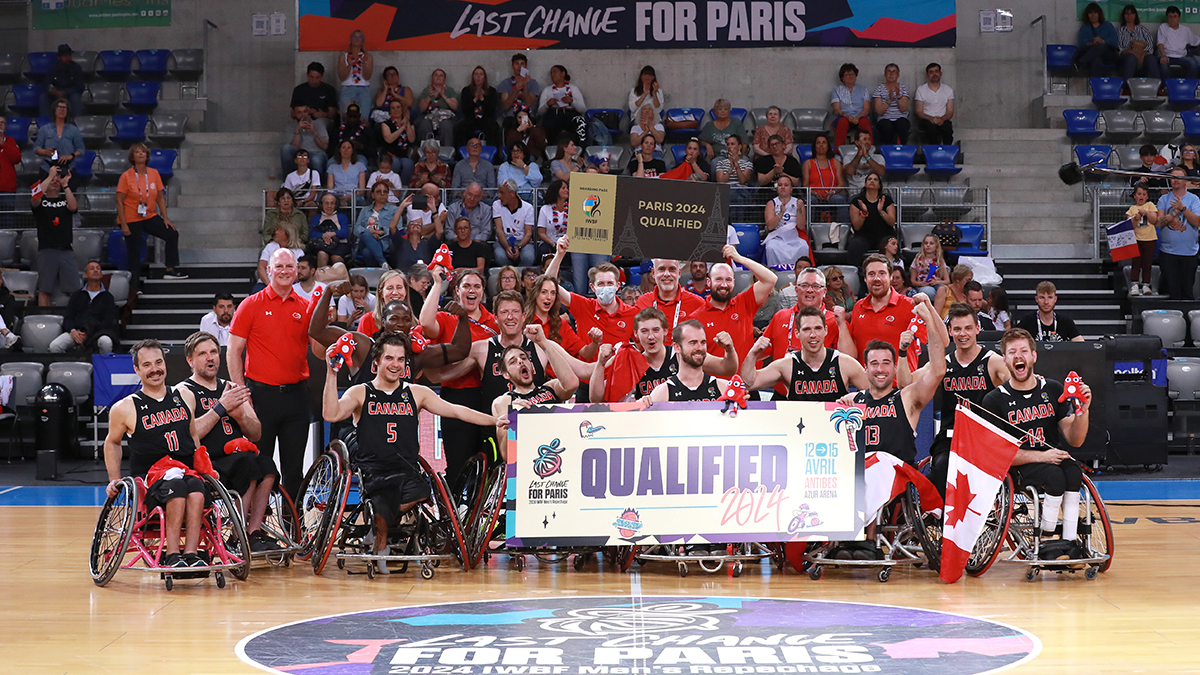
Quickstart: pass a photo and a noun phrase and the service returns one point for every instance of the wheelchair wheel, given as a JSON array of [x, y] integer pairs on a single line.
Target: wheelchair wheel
[[485, 513], [225, 526], [926, 532], [281, 520], [446, 534], [470, 483], [1100, 538], [1023, 525], [331, 521], [114, 529], [316, 492], [995, 530]]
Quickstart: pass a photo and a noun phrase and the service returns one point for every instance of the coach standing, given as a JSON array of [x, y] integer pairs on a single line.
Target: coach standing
[[271, 328]]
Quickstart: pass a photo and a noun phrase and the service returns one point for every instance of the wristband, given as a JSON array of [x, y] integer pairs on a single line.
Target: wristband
[[219, 408], [904, 352]]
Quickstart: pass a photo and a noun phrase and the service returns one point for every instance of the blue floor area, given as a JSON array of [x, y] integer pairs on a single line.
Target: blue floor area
[[1144, 490], [65, 495]]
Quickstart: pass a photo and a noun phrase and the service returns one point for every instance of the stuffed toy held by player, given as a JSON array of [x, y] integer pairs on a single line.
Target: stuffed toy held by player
[[734, 396], [1073, 391], [341, 352]]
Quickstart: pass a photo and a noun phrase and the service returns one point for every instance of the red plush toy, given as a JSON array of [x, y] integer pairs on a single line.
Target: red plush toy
[[734, 396], [920, 334], [1073, 391], [240, 445], [342, 351], [442, 259]]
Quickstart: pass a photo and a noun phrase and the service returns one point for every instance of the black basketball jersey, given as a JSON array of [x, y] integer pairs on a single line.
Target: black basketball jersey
[[656, 376], [886, 428], [1036, 412], [388, 432], [494, 383], [226, 429], [823, 384], [707, 391], [160, 428], [972, 382], [539, 394]]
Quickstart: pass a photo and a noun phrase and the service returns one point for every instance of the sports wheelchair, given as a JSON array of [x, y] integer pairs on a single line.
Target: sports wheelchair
[[1021, 531], [991, 540], [710, 561], [335, 512], [126, 527], [281, 523]]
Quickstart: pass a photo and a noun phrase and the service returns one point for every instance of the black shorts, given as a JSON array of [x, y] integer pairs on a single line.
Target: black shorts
[[1053, 479], [387, 493], [266, 465], [237, 471], [163, 491]]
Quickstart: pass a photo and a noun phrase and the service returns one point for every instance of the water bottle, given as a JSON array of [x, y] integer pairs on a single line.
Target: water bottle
[[512, 242]]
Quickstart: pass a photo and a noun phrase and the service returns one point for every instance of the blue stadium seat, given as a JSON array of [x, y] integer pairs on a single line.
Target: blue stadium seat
[[972, 240], [683, 113], [898, 159], [1081, 124], [803, 153], [152, 64], [143, 96], [749, 240], [609, 114], [115, 64], [18, 129], [679, 150], [27, 98], [130, 129], [82, 167], [1106, 91], [1191, 125], [163, 161], [1087, 154], [939, 160], [738, 114], [488, 153], [1181, 93], [1060, 59], [42, 121], [40, 64]]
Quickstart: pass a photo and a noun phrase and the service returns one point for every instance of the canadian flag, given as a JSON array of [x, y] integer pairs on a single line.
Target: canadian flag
[[980, 455], [886, 477]]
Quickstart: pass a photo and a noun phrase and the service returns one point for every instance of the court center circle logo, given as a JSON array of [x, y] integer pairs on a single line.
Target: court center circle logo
[[618, 635]]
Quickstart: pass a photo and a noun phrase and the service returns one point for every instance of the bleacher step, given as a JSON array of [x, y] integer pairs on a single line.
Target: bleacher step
[[236, 198], [235, 137], [270, 150], [240, 161]]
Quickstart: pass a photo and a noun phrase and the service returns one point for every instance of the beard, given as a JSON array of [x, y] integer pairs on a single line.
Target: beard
[[694, 359], [722, 294]]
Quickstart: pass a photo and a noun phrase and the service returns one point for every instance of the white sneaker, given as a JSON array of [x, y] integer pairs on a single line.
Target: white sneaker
[[1146, 290], [11, 338], [1134, 290]]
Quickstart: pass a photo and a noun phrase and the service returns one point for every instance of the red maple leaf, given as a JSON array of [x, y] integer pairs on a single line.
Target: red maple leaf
[[56, 220], [958, 500]]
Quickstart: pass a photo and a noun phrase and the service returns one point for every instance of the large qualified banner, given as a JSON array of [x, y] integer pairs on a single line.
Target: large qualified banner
[[683, 473], [325, 25], [648, 217], [48, 14]]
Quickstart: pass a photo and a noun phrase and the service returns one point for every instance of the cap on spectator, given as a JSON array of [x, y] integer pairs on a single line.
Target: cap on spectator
[[64, 48], [353, 106]]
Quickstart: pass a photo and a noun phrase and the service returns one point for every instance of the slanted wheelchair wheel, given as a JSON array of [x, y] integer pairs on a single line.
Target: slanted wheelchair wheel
[[922, 529], [316, 492], [445, 528], [282, 521], [485, 513], [226, 526], [114, 528], [995, 531], [470, 483], [1100, 539], [331, 521]]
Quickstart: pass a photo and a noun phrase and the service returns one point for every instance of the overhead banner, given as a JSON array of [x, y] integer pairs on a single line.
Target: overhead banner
[[648, 217], [1149, 11], [625, 24], [50, 14], [683, 473]]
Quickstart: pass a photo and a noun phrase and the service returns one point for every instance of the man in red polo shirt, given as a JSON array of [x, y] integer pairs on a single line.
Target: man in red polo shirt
[[784, 329], [271, 329], [606, 312], [734, 314], [668, 297], [882, 314]]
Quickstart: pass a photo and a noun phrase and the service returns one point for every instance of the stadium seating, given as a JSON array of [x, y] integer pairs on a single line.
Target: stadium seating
[[8, 246], [87, 63], [39, 330], [911, 234], [119, 284], [163, 161], [21, 284], [40, 64], [189, 64], [808, 123], [1181, 93], [972, 240], [115, 64], [83, 168], [27, 380], [94, 129], [1120, 126], [899, 161], [738, 114], [130, 129], [939, 160], [371, 274], [610, 116], [803, 153], [1155, 276], [10, 67], [749, 240], [152, 64], [88, 246], [1183, 379], [1191, 125], [1159, 125], [168, 129], [29, 247], [113, 163], [487, 154], [1081, 125], [685, 113], [1060, 59], [26, 99], [1089, 154], [143, 96], [103, 97], [75, 376], [679, 151], [759, 116], [18, 129], [1106, 92], [1143, 92], [1167, 324]]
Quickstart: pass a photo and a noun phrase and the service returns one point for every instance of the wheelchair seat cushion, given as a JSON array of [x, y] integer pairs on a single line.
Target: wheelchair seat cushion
[[389, 492]]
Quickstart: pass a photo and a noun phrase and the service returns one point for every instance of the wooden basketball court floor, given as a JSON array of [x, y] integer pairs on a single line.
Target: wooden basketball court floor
[[1142, 616]]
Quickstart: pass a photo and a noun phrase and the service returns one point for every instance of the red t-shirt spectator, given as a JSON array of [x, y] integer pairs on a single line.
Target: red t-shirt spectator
[[782, 333], [10, 157], [568, 338], [616, 327], [684, 305], [737, 319], [866, 324], [276, 334], [482, 329]]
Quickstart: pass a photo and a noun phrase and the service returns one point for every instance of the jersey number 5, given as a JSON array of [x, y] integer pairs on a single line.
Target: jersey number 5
[[391, 432]]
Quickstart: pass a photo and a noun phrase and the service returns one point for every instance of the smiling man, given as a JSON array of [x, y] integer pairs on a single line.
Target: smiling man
[[668, 297]]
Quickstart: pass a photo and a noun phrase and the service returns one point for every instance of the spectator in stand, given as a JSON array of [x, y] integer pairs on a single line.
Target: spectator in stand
[[561, 107], [528, 133], [437, 104], [480, 104], [514, 219], [528, 276], [376, 225], [891, 108], [861, 161], [822, 173], [1173, 43], [552, 218], [935, 108], [90, 320], [283, 237], [348, 176], [58, 142], [734, 167], [303, 132], [720, 128], [471, 206], [786, 218], [1190, 163], [397, 134], [306, 278], [900, 284], [565, 283], [465, 252], [698, 281], [386, 175], [10, 158], [303, 182], [1178, 225], [607, 313], [509, 279], [473, 168], [567, 159], [519, 99], [54, 209], [415, 248], [997, 308], [837, 291], [726, 312], [872, 217], [543, 307], [849, 104], [142, 207], [787, 294], [218, 321], [318, 98], [1145, 217], [779, 162], [354, 128], [1136, 46], [64, 81], [693, 167], [419, 281], [975, 299], [359, 302], [354, 69], [882, 313], [667, 296], [646, 125], [329, 233], [773, 127], [431, 169], [784, 329], [392, 285], [1096, 42], [1046, 325], [391, 90], [1156, 185], [889, 247], [643, 164], [929, 271], [953, 292], [646, 93], [522, 170], [285, 215], [429, 217]]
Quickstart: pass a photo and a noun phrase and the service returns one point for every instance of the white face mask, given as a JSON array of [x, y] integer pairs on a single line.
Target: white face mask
[[606, 294]]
